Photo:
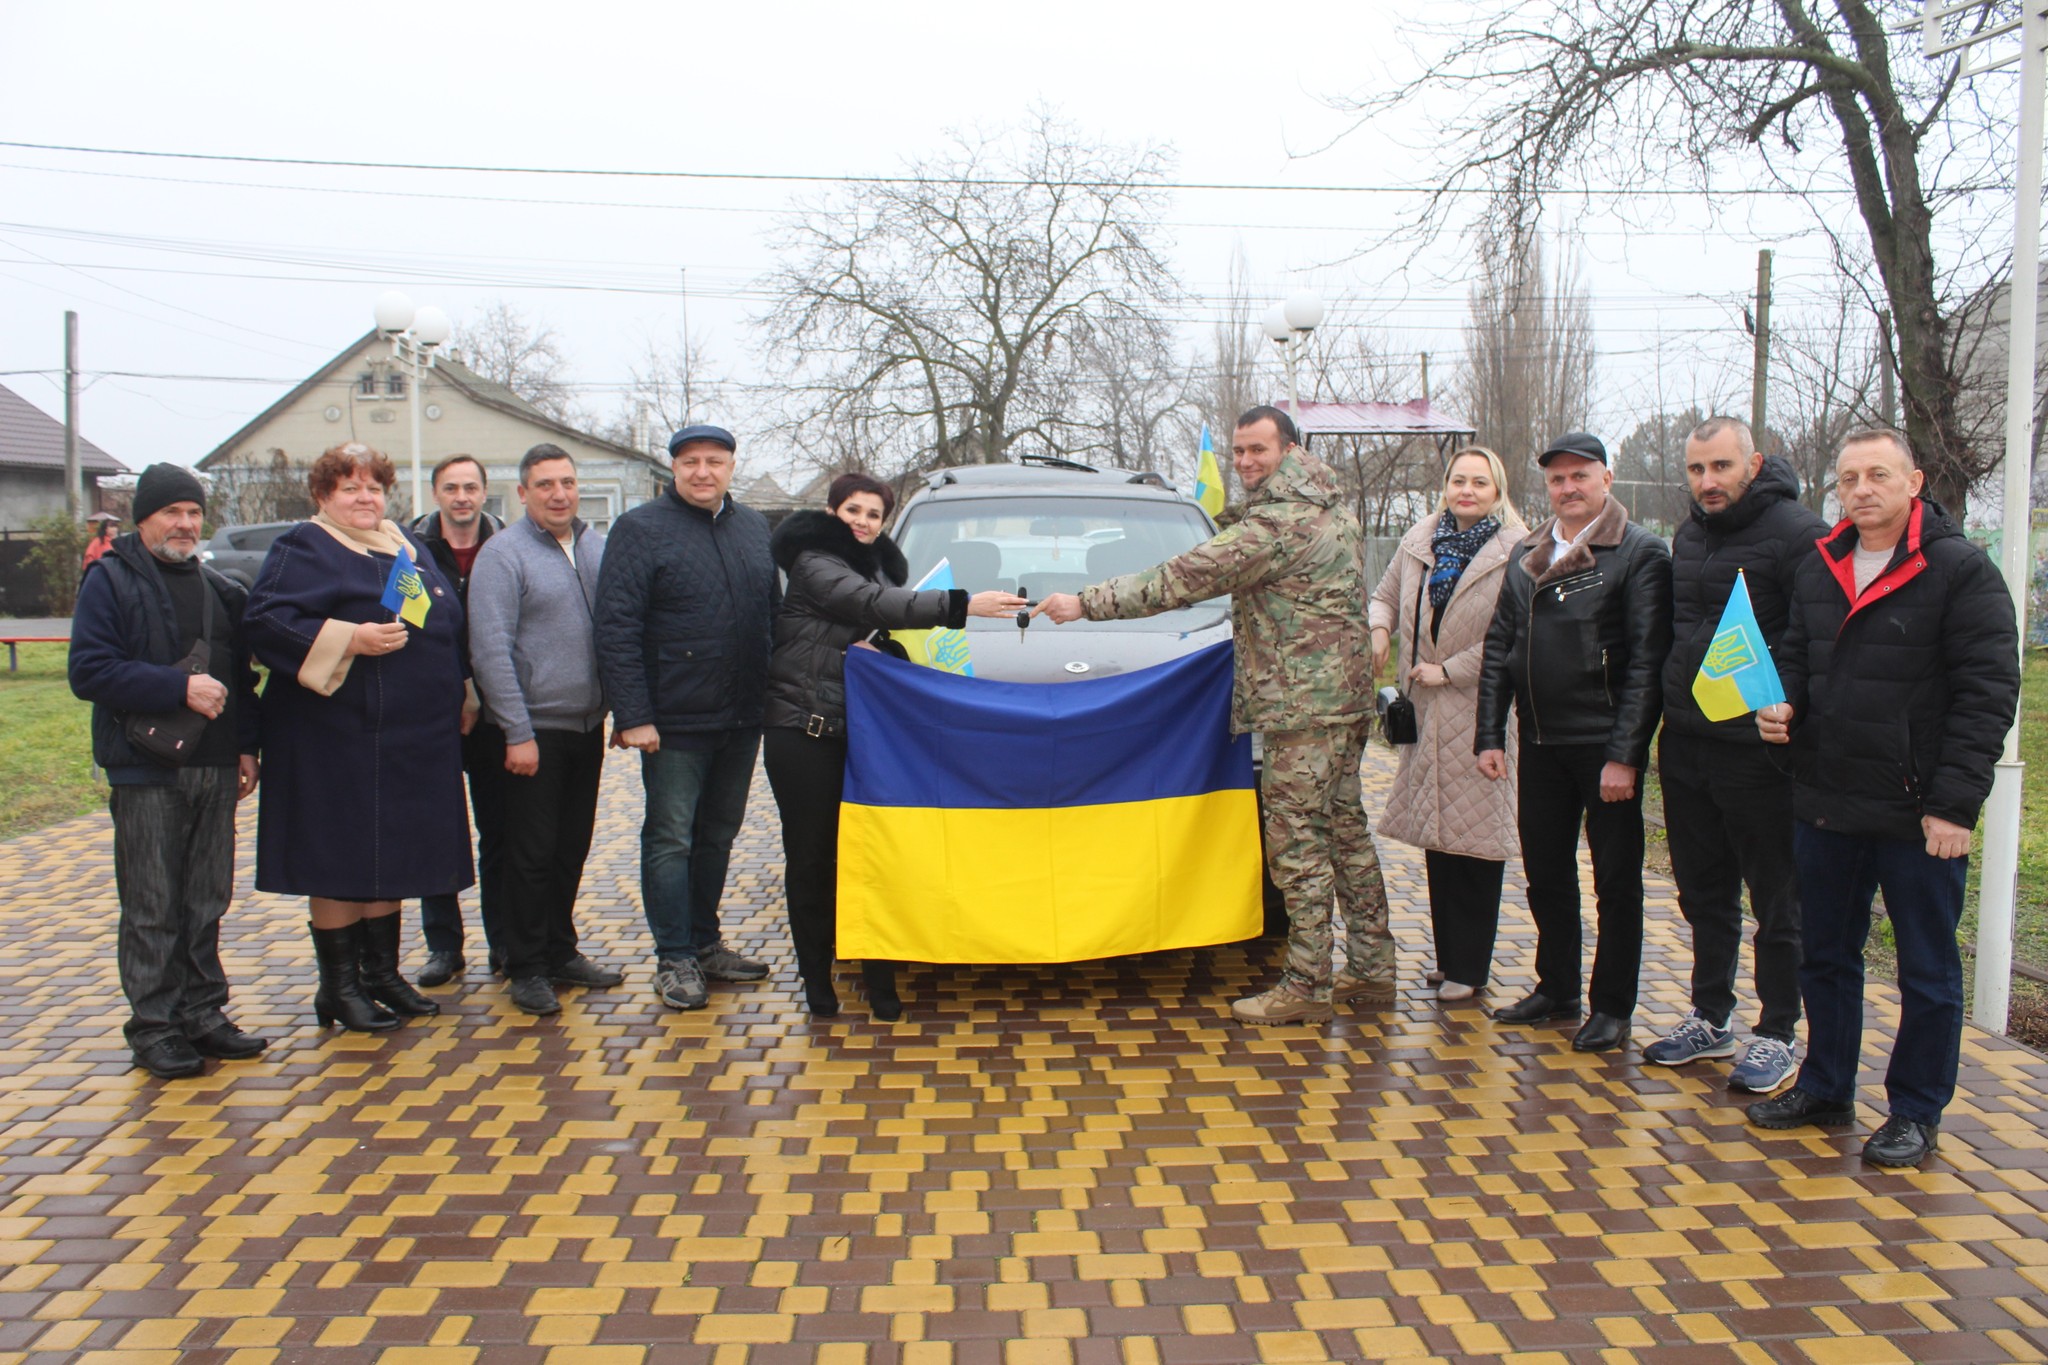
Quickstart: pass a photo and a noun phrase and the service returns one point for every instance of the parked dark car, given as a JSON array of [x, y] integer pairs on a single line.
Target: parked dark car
[[237, 551]]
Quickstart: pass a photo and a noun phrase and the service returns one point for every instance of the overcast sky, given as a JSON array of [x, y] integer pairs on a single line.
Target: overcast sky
[[259, 274]]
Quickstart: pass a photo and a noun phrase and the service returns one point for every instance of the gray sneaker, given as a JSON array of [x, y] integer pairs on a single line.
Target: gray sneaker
[[720, 963], [679, 984], [1694, 1039], [1766, 1064]]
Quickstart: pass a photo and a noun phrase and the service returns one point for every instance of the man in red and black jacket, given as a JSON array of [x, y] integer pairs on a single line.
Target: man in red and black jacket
[[1901, 670]]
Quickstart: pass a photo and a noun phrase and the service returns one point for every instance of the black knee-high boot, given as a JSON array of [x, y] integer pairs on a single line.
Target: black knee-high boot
[[340, 998], [381, 981]]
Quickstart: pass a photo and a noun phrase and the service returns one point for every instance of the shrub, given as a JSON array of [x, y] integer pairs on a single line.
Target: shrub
[[58, 559]]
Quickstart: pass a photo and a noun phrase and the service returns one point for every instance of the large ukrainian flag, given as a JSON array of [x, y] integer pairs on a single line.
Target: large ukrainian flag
[[1044, 822]]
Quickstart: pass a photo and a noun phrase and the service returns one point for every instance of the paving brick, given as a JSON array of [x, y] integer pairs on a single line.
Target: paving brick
[[1087, 1164]]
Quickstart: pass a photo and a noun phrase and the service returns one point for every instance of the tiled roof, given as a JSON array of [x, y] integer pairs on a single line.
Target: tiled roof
[[32, 439]]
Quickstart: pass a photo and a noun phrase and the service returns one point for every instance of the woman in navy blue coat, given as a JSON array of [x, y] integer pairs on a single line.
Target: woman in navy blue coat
[[362, 722]]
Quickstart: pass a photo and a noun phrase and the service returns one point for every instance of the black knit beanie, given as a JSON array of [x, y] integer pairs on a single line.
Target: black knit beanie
[[163, 484]]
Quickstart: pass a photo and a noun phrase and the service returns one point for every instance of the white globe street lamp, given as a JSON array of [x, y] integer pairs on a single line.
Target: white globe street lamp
[[414, 334], [1304, 312], [1287, 325]]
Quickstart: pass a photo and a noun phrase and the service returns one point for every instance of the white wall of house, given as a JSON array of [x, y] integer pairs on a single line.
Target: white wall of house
[[368, 399]]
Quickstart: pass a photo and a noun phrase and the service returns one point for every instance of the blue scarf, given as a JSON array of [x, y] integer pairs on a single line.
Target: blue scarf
[[1453, 550]]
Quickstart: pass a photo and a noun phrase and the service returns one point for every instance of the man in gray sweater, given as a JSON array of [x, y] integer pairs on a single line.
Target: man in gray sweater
[[533, 651]]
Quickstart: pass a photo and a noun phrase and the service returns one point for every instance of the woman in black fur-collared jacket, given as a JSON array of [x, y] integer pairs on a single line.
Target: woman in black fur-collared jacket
[[845, 588]]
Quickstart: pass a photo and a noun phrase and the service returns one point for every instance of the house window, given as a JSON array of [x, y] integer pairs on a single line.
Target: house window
[[596, 509], [394, 385], [366, 384]]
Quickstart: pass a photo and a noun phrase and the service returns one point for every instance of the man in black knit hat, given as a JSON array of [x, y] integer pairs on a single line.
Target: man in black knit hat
[[157, 648]]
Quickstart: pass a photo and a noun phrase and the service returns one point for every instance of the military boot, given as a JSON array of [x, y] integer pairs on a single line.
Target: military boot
[[1286, 1003], [1363, 990]]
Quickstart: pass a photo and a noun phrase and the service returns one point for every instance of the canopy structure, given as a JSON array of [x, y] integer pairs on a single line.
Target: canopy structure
[[1413, 418]]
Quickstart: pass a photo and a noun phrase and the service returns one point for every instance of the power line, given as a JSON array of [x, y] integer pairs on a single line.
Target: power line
[[992, 182]]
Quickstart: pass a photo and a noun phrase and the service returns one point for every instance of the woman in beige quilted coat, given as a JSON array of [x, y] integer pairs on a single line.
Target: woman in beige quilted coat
[[1444, 579]]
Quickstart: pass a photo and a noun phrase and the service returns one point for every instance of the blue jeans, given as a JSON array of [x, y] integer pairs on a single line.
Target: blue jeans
[[1923, 896], [696, 799]]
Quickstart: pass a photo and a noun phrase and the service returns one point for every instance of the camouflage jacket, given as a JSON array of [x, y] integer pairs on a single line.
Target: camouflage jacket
[[1291, 561]]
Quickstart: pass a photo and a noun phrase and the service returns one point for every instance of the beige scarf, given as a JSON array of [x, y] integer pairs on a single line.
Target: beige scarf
[[386, 539]]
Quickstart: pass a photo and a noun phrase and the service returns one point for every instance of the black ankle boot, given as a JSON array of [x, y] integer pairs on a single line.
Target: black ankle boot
[[340, 998], [883, 1002], [381, 981]]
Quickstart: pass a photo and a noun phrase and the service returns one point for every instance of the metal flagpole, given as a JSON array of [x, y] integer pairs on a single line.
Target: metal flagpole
[[1998, 891]]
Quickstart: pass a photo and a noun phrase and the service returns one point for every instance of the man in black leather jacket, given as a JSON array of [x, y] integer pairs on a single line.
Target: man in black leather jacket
[[1578, 638], [1728, 800]]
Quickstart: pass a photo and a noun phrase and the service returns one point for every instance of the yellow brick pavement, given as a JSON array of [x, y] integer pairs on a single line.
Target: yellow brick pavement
[[1087, 1165]]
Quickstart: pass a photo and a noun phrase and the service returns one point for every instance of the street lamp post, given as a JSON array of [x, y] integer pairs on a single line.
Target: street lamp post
[[1975, 47], [414, 335], [1287, 325]]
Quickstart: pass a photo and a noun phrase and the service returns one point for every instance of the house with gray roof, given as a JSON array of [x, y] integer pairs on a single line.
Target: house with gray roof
[[32, 464]]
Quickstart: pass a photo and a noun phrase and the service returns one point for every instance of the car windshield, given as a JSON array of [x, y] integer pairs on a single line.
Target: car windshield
[[1035, 545]]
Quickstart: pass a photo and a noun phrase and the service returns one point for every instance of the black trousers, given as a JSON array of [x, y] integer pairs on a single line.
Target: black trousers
[[1728, 816], [174, 866], [1560, 791], [1464, 910], [483, 759], [549, 818], [807, 775]]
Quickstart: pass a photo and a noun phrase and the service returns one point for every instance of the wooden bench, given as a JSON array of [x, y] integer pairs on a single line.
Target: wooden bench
[[14, 660]]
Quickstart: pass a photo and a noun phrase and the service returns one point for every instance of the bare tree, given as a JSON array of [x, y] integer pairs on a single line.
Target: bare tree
[[1804, 96], [1236, 348], [259, 489], [671, 385], [942, 313], [506, 347], [1825, 383], [1130, 400], [1528, 366]]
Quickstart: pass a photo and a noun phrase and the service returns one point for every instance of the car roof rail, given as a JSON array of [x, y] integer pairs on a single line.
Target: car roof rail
[[939, 478], [1152, 477], [1056, 462]]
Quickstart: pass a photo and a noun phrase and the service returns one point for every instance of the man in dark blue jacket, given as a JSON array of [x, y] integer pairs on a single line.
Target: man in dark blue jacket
[[1727, 796], [145, 606], [1902, 675], [685, 618]]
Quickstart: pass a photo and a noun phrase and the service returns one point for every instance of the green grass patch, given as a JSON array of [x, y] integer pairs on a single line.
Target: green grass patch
[[46, 765]]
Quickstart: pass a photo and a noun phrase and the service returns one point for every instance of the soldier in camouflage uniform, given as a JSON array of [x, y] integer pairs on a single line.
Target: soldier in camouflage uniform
[[1291, 561]]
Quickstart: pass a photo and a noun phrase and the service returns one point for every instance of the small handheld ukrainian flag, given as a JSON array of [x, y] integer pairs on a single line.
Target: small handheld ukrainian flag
[[943, 648], [1209, 478], [1737, 676], [406, 592]]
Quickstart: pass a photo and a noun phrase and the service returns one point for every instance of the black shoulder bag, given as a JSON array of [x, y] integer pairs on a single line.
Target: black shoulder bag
[[1396, 708], [171, 737]]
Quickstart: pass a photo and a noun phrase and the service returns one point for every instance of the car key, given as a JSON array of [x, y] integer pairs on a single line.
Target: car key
[[1024, 620]]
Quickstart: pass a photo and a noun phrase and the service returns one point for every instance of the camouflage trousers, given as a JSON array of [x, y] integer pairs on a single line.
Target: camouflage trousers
[[1320, 852]]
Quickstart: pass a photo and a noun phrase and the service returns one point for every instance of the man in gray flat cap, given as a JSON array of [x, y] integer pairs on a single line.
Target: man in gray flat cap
[[685, 614]]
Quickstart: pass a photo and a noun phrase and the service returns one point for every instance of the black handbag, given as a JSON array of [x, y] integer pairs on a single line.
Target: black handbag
[[1396, 708], [171, 737]]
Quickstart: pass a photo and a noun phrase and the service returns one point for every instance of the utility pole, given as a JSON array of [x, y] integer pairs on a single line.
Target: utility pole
[[74, 477], [1761, 379], [1425, 379], [689, 360], [1888, 400]]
